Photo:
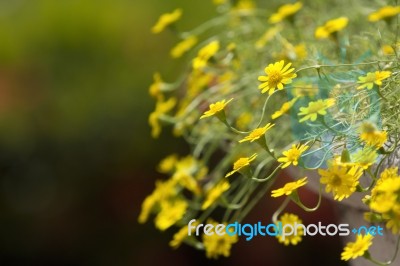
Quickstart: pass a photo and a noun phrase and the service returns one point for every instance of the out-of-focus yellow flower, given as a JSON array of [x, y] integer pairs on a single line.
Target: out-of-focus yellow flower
[[162, 107], [285, 11], [277, 76], [155, 87], [219, 2], [385, 12], [330, 27], [180, 236], [205, 54], [365, 157], [216, 245], [171, 212], [244, 120], [166, 19], [288, 188], [268, 36], [284, 109], [372, 78], [387, 49], [358, 248], [301, 89], [314, 109], [257, 133], [167, 165], [371, 136], [183, 46], [292, 155], [292, 239], [241, 163], [214, 193], [393, 222], [216, 108]]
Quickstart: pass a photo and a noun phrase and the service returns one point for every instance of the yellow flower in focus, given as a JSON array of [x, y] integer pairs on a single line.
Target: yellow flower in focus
[[215, 108], [205, 54], [288, 188], [373, 78], [314, 109], [292, 155], [171, 212], [330, 27], [289, 218], [277, 75], [341, 181], [385, 12], [155, 88], [357, 249], [214, 193], [284, 109], [285, 11], [162, 107], [183, 46], [216, 245], [257, 133], [241, 163], [166, 19]]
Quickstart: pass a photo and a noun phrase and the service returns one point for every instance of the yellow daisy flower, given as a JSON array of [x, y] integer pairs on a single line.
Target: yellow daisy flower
[[284, 109], [183, 46], [205, 54], [241, 163], [384, 13], [285, 11], [257, 133], [331, 26], [277, 75], [216, 108], [288, 188], [339, 180], [372, 78], [214, 193], [357, 249], [289, 218], [166, 19], [292, 155], [314, 109], [216, 245]]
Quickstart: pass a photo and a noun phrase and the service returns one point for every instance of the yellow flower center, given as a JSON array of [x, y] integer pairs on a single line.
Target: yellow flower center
[[274, 77], [336, 181]]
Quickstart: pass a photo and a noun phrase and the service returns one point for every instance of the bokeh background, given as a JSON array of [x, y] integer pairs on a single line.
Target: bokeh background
[[76, 156]]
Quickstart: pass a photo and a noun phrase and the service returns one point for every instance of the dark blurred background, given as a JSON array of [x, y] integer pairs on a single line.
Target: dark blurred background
[[76, 156]]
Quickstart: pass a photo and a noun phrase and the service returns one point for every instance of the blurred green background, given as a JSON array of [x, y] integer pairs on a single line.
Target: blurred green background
[[76, 156]]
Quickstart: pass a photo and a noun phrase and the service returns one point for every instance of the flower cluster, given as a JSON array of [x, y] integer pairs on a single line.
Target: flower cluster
[[327, 102]]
